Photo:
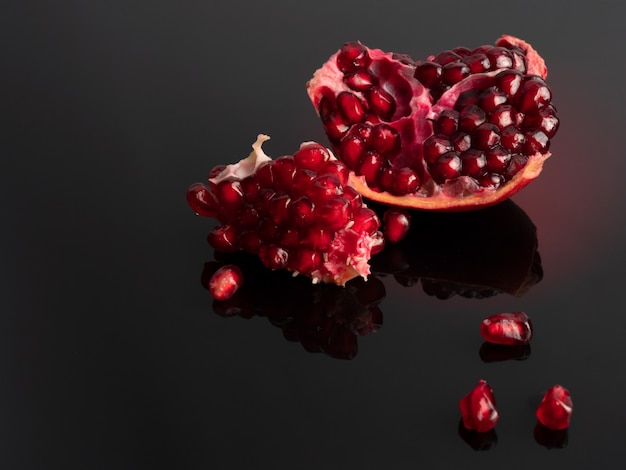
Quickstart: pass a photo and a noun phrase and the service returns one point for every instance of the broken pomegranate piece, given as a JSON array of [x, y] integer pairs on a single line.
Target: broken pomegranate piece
[[225, 281], [555, 409], [298, 212], [460, 130], [478, 408], [511, 328]]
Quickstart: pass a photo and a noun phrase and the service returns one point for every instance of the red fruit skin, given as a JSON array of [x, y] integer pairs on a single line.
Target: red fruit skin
[[478, 408], [555, 409], [225, 282], [511, 329]]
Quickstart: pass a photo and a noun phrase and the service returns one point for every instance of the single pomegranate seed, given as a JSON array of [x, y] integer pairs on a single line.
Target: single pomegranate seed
[[446, 57], [536, 141], [371, 167], [477, 63], [434, 147], [446, 167], [545, 120], [283, 171], [223, 238], [229, 194], [381, 102], [485, 136], [454, 72], [518, 161], [500, 58], [534, 95], [555, 409], [428, 73], [502, 116], [201, 200], [491, 98], [225, 282], [511, 329], [512, 139], [351, 107], [498, 159], [467, 98], [352, 57], [405, 181], [361, 80], [509, 81], [385, 139], [461, 142], [324, 188], [311, 157], [471, 117], [273, 256], [335, 213], [474, 163], [447, 123], [478, 408], [396, 223], [490, 180], [335, 126]]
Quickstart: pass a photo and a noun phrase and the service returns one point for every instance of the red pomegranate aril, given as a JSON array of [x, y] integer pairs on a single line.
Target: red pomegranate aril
[[510, 328], [385, 140], [461, 142], [396, 224], [447, 123], [283, 172], [434, 147], [201, 200], [471, 117], [352, 57], [351, 107], [361, 80], [478, 408], [498, 159], [352, 149], [335, 213], [229, 194], [365, 220], [406, 181], [301, 211], [446, 57], [335, 126], [324, 188], [491, 99], [512, 139], [318, 238], [477, 63], [311, 156], [473, 163], [273, 256], [500, 58], [454, 72], [533, 95], [555, 409], [249, 217], [249, 241], [446, 167], [509, 81], [462, 51], [490, 180], [536, 141], [223, 238], [381, 102], [371, 167], [485, 136], [502, 116], [225, 282], [304, 261], [518, 161], [428, 73]]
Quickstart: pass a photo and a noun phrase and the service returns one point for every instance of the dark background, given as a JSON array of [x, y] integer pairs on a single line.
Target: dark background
[[111, 356]]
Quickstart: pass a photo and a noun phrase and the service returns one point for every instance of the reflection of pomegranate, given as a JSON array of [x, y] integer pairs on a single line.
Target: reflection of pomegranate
[[297, 212], [473, 254], [461, 130], [321, 317]]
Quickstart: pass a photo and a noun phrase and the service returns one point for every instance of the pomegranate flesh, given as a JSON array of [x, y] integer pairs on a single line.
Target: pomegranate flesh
[[298, 212], [460, 130]]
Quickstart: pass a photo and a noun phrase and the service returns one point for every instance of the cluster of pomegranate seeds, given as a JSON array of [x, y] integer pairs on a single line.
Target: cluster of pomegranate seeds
[[555, 409], [225, 282], [297, 212], [478, 408], [431, 133], [511, 329]]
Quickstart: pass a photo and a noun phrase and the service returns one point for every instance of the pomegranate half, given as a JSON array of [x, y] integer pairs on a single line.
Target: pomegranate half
[[463, 129]]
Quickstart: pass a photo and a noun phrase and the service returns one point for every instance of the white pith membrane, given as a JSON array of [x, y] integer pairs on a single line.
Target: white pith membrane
[[349, 250], [413, 120]]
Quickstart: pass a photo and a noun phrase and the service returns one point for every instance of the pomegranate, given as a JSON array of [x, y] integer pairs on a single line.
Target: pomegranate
[[460, 130], [322, 317], [509, 328], [298, 212], [555, 409], [225, 282], [478, 408], [397, 222]]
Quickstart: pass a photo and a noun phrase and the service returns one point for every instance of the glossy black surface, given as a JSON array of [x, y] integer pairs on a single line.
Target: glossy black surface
[[112, 355]]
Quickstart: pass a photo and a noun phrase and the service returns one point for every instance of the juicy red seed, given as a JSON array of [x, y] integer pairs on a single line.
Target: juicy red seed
[[454, 72], [324, 187], [302, 181], [229, 193], [545, 120], [248, 217], [385, 139], [283, 171], [352, 56], [371, 167], [462, 51], [502, 116], [318, 238], [355, 198], [533, 95], [511, 328], [267, 230], [289, 238], [301, 211], [362, 130], [326, 108], [335, 213], [273, 256], [365, 220], [337, 168], [477, 63], [461, 142], [311, 156], [428, 73], [446, 167], [381, 102], [396, 222], [491, 99], [509, 81], [335, 126], [471, 117], [466, 99], [490, 180], [250, 188], [536, 141], [201, 200], [305, 260], [555, 409], [263, 175], [223, 238], [497, 159], [446, 57], [518, 161], [447, 122], [435, 146], [406, 182], [279, 208], [478, 408], [361, 80], [519, 60], [474, 163], [352, 149], [225, 282], [351, 107], [500, 58], [512, 139], [485, 136]]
